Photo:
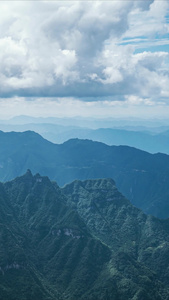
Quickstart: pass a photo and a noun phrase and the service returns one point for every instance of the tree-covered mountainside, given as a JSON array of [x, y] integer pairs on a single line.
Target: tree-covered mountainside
[[84, 241], [123, 227], [142, 177], [53, 242]]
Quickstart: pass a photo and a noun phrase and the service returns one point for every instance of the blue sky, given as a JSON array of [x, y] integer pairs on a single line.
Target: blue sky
[[88, 58]]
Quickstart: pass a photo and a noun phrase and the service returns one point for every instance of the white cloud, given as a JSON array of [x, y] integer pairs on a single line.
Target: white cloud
[[148, 22], [135, 100], [112, 75], [58, 39], [132, 106], [75, 48]]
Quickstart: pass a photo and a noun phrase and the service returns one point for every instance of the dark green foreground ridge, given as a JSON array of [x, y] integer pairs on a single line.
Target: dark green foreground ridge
[[84, 241], [142, 177]]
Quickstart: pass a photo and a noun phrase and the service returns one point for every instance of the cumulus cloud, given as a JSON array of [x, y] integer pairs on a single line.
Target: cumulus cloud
[[82, 49]]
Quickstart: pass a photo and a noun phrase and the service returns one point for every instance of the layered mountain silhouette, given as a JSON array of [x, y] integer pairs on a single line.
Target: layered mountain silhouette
[[151, 139], [83, 241], [142, 177]]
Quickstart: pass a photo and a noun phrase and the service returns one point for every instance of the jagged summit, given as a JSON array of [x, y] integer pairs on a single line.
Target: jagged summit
[[84, 241], [140, 176]]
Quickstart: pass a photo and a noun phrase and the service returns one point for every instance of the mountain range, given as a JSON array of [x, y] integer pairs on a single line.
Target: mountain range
[[142, 177], [148, 139], [83, 241]]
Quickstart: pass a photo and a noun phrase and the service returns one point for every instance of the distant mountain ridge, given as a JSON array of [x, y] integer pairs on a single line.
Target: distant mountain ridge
[[84, 241], [140, 176], [153, 141]]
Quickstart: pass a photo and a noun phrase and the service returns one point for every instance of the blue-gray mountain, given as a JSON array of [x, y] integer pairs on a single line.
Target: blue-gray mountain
[[84, 241], [152, 140], [142, 177]]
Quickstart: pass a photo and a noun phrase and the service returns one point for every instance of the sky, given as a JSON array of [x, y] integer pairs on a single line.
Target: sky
[[84, 58]]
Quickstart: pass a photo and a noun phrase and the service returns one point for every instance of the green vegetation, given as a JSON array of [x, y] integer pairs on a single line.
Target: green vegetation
[[140, 176], [84, 241]]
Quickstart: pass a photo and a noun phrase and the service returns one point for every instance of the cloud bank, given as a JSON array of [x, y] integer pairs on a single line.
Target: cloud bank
[[92, 51]]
